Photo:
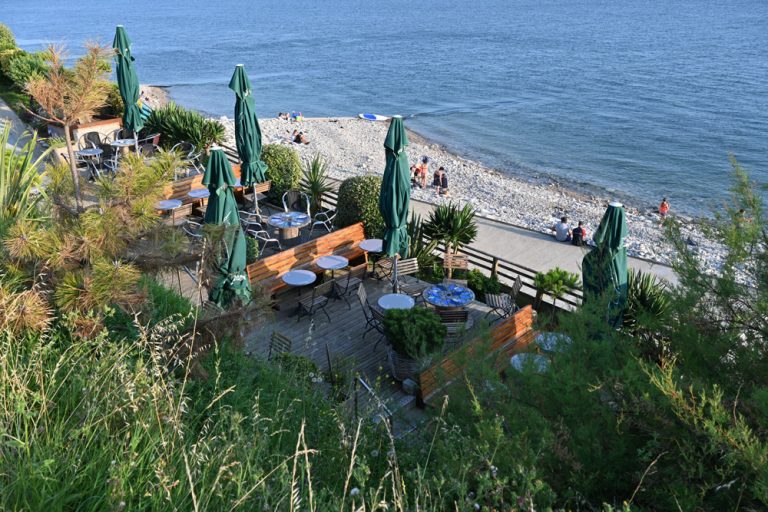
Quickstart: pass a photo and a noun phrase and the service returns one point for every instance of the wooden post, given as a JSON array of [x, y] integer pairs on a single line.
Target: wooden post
[[495, 267]]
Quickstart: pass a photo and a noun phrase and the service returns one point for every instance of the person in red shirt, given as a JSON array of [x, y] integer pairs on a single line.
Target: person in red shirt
[[663, 210]]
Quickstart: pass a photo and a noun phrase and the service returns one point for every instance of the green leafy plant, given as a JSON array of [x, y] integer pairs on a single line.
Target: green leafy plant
[[251, 250], [178, 124], [24, 67], [419, 246], [482, 284], [300, 368], [114, 103], [414, 333], [315, 182], [555, 282], [7, 41], [453, 226], [20, 178], [283, 169], [359, 202]]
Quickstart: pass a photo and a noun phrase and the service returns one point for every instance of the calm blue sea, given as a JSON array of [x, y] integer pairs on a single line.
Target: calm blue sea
[[638, 97]]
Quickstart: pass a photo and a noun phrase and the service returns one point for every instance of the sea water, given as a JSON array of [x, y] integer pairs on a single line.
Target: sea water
[[632, 97]]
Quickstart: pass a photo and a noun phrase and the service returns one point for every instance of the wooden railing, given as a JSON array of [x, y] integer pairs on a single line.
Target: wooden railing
[[506, 271]]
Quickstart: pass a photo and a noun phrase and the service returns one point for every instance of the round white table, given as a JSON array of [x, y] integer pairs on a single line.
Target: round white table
[[289, 223], [169, 205], [332, 262], [199, 193], [123, 143], [396, 301], [372, 245], [298, 277], [537, 362], [89, 152], [553, 342]]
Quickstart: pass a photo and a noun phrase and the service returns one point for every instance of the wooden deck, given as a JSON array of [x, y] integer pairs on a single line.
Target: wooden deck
[[343, 338]]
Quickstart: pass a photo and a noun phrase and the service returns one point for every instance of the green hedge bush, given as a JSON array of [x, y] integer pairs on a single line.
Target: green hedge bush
[[283, 169], [480, 283], [359, 201], [24, 66], [178, 124], [414, 333], [7, 41]]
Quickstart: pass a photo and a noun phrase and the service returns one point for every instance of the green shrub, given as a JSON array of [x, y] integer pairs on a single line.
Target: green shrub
[[359, 202], [480, 283], [163, 302], [299, 368], [283, 169], [415, 332], [114, 103], [251, 250], [178, 124], [7, 41], [24, 66]]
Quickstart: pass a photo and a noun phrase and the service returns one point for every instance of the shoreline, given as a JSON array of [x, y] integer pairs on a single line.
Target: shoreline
[[352, 147]]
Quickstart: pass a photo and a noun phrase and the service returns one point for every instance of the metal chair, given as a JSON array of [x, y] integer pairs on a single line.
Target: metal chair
[[265, 238], [317, 301], [503, 304], [250, 219], [344, 285], [292, 201], [89, 140], [112, 164], [193, 230], [324, 219], [372, 321], [455, 322], [278, 344]]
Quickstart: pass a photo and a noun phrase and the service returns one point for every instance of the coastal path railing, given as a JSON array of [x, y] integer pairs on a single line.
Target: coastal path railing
[[506, 271]]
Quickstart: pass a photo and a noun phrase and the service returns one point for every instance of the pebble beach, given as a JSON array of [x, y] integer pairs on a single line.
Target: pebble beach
[[354, 147]]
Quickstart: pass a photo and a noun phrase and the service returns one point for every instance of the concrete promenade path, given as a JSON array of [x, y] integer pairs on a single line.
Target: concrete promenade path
[[7, 115], [535, 250]]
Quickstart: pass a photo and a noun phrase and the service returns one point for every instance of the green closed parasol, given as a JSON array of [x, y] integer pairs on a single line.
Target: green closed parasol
[[222, 210], [127, 82], [247, 132], [395, 197], [605, 267]]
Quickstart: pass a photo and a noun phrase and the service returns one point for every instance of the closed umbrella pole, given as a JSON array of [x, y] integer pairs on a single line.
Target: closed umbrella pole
[[395, 196], [127, 83], [247, 133]]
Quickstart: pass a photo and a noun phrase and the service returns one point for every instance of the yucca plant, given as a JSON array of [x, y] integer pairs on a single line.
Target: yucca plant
[[648, 302], [420, 246], [19, 178], [178, 124], [315, 182], [453, 226]]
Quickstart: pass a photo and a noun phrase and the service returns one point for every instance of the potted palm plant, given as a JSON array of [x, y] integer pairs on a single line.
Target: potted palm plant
[[414, 334], [453, 226], [315, 182], [555, 282]]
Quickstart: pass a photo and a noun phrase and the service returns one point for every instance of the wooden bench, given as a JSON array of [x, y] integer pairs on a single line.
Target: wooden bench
[[511, 335], [345, 242]]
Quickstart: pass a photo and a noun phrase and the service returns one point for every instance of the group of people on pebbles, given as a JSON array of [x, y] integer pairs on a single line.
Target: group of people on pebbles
[[354, 147]]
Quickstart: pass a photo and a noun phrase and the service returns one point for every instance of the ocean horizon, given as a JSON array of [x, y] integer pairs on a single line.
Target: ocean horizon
[[610, 98]]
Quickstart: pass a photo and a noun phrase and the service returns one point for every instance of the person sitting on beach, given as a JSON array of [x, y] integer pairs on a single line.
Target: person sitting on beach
[[282, 115], [301, 138], [424, 168], [579, 234], [562, 230], [414, 176], [444, 183], [663, 210], [436, 180]]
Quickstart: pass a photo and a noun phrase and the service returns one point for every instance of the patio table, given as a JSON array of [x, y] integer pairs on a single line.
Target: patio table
[[539, 363], [553, 342], [89, 152], [288, 223], [169, 205], [299, 277], [448, 295], [372, 246], [332, 263], [123, 143], [396, 301]]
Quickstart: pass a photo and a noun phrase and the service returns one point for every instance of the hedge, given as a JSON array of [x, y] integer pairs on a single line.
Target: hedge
[[359, 201], [283, 169]]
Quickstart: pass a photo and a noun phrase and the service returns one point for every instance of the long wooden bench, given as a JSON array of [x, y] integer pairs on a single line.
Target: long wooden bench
[[345, 242], [511, 335]]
